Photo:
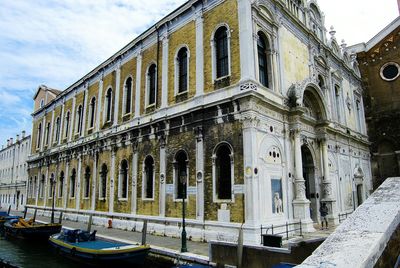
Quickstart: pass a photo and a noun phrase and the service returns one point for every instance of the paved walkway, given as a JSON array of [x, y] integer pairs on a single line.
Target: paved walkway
[[197, 251]]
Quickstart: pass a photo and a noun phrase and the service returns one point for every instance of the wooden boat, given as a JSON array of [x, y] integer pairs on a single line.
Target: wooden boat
[[20, 228], [4, 216], [85, 247]]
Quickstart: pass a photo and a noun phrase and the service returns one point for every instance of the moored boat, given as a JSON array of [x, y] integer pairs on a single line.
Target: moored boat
[[85, 247], [20, 228], [4, 216]]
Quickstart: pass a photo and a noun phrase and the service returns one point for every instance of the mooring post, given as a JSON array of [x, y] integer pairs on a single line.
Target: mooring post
[[240, 248], [144, 232], [89, 227], [25, 211], [34, 215], [9, 209], [60, 217]]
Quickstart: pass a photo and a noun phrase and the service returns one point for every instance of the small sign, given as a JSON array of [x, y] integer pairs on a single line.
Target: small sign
[[238, 189]]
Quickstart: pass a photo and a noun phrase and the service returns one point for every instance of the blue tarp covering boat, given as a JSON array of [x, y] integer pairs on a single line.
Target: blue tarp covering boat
[[87, 248]]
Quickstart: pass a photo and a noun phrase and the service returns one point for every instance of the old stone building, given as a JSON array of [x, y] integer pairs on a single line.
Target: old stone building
[[14, 172], [379, 61], [245, 110]]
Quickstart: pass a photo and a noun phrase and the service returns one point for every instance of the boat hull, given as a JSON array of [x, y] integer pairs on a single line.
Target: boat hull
[[39, 232], [100, 252]]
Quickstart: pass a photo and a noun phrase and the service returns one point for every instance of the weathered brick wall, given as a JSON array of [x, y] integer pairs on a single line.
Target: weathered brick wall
[[184, 36], [225, 13], [149, 57], [127, 70]]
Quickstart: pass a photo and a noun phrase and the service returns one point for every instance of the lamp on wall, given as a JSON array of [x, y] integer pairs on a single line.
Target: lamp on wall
[[183, 177]]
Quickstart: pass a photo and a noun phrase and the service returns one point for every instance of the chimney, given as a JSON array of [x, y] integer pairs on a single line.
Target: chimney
[[11, 141], [17, 139], [8, 143], [23, 131]]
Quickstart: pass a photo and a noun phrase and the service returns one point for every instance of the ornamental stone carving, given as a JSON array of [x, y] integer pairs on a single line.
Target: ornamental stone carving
[[248, 86]]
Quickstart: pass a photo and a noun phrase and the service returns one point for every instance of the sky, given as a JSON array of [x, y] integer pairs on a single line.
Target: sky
[[56, 42]]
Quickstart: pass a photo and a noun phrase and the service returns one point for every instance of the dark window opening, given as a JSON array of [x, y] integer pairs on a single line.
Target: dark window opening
[[72, 185], [103, 181], [128, 94], [92, 112], [223, 170], [87, 183], [109, 104], [182, 70], [152, 84], [221, 48], [124, 179], [181, 174], [149, 176], [262, 60]]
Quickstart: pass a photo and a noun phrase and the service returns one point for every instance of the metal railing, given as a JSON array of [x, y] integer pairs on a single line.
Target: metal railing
[[344, 216], [282, 229]]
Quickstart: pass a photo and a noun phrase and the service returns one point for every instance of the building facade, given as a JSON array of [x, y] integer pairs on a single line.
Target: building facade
[[379, 61], [14, 172], [245, 111]]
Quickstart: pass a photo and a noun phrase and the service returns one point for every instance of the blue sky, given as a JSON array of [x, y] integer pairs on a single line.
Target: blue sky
[[57, 42]]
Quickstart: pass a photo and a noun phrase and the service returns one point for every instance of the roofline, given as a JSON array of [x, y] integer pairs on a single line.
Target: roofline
[[363, 47]]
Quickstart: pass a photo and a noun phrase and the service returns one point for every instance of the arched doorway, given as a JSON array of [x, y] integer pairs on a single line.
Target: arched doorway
[[309, 177]]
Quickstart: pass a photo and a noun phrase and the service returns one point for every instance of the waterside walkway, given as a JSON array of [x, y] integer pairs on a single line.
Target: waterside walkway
[[162, 246]]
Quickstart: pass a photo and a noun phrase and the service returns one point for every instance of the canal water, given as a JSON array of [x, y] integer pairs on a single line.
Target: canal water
[[28, 254]]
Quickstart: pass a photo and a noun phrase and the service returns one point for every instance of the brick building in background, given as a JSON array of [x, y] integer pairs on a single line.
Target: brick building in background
[[247, 110], [379, 62]]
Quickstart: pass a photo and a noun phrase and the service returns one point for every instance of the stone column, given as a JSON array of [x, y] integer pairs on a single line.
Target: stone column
[[45, 188], [112, 181], [301, 205], [65, 188], [94, 181], [72, 122], [247, 65], [117, 90], [60, 134], [78, 183], [327, 194], [199, 55], [138, 84], [134, 177], [163, 162], [99, 108], [51, 131], [199, 174], [85, 109], [252, 215], [164, 80]]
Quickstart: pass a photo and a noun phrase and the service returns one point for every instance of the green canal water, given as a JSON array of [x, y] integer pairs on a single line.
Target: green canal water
[[31, 255]]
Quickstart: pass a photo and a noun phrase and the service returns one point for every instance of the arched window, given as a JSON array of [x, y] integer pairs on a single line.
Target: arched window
[[47, 133], [92, 112], [182, 67], [39, 135], [123, 179], [128, 95], [41, 187], [51, 184], [61, 184], [148, 177], [79, 113], [263, 61], [30, 188], [72, 184], [221, 49], [151, 84], [338, 103], [108, 105], [35, 185], [103, 182], [57, 130], [181, 174], [86, 184], [321, 82], [67, 119], [223, 172]]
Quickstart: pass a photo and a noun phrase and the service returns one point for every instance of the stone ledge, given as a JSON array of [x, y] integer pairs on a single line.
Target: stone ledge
[[364, 236]]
